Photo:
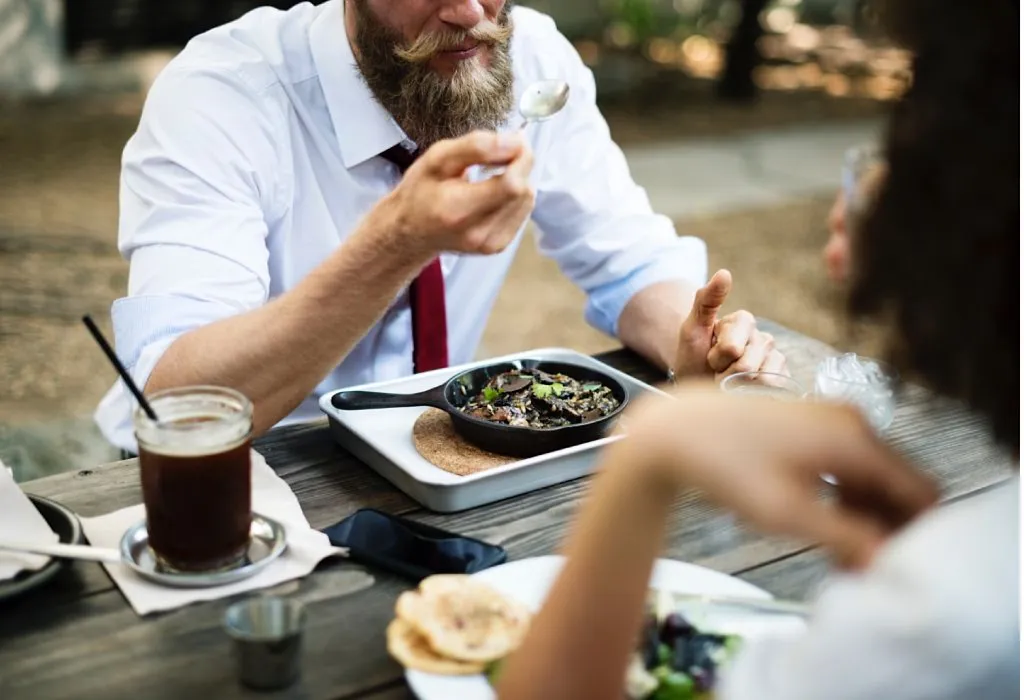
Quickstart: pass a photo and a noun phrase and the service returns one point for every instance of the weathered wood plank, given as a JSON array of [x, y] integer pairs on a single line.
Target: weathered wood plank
[[51, 650], [108, 652], [797, 577]]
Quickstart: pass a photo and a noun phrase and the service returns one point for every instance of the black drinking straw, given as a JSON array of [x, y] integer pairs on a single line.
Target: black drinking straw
[[105, 347]]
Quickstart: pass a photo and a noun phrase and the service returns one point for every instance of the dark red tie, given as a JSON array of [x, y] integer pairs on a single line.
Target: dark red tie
[[426, 297]]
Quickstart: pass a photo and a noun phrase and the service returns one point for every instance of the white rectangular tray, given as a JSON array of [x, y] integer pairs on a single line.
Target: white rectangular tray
[[382, 439]]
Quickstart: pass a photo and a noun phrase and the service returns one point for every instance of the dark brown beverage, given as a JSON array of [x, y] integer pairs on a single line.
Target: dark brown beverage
[[196, 478]]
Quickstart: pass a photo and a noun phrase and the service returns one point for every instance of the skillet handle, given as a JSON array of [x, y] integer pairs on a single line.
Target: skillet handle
[[368, 400]]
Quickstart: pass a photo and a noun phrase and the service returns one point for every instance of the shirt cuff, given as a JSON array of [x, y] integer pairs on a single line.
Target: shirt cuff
[[686, 261]]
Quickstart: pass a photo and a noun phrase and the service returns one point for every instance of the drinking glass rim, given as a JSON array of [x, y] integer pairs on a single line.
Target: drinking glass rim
[[198, 390], [786, 379], [892, 376], [295, 617]]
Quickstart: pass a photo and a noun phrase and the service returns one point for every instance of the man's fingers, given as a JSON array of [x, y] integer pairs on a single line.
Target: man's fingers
[[473, 204], [710, 297], [734, 333], [754, 355], [506, 224], [776, 362], [451, 157]]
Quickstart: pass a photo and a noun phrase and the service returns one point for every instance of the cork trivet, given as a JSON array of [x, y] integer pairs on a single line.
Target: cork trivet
[[438, 443]]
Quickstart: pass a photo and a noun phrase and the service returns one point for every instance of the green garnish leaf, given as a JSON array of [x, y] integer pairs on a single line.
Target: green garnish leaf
[[591, 387], [493, 671], [675, 686], [541, 391], [557, 388], [490, 393]]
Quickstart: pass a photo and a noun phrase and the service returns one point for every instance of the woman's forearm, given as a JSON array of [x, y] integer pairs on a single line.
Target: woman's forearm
[[579, 644]]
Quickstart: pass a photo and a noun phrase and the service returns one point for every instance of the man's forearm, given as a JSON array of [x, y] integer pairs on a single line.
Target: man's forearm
[[278, 353], [650, 323]]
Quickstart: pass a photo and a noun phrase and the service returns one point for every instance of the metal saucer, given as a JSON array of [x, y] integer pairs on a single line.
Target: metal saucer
[[266, 543], [67, 527]]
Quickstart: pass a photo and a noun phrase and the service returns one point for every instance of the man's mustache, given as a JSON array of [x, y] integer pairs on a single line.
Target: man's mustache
[[429, 45]]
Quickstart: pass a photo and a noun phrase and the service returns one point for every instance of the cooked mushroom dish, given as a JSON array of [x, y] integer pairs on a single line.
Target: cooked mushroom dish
[[529, 398]]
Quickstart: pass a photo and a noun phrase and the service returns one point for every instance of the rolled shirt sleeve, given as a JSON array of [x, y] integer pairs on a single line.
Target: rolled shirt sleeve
[[594, 220], [195, 202]]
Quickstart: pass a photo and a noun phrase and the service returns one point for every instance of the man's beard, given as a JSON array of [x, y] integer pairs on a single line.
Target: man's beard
[[427, 105]]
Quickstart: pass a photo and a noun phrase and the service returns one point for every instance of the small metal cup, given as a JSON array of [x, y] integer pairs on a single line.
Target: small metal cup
[[267, 632]]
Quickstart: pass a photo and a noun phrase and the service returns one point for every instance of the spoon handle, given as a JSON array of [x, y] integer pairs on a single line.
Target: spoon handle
[[65, 551], [763, 605], [490, 171]]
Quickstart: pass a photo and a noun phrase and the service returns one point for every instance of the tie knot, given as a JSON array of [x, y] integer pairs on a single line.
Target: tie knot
[[400, 156]]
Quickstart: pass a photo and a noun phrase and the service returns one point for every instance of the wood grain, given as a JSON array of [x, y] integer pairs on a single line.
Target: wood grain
[[77, 638]]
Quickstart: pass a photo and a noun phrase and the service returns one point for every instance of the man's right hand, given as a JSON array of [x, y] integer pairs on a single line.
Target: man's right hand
[[436, 209]]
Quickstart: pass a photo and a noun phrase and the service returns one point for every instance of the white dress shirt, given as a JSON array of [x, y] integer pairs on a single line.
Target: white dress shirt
[[936, 617], [256, 155]]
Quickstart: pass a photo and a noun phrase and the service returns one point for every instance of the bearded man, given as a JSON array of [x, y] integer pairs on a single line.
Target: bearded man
[[303, 209]]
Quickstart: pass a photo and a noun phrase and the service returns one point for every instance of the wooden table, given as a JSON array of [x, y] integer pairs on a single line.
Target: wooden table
[[77, 638]]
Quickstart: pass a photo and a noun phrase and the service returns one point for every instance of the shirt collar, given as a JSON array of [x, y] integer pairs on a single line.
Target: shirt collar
[[362, 127]]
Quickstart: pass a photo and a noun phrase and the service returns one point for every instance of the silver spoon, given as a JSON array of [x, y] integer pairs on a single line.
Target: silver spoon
[[84, 552], [540, 101], [763, 605]]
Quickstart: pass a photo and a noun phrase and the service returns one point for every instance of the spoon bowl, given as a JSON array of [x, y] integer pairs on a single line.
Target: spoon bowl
[[540, 101]]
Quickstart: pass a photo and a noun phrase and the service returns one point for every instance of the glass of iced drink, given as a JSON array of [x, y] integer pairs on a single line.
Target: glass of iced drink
[[196, 477], [868, 384], [771, 384]]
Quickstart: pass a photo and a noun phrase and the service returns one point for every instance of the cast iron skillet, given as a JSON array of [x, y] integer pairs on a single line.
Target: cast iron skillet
[[497, 437]]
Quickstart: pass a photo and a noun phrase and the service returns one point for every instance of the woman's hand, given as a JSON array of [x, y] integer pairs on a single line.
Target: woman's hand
[[762, 459]]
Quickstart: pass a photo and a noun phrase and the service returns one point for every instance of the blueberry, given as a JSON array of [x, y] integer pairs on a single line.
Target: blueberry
[[681, 655], [675, 625], [702, 649], [703, 677]]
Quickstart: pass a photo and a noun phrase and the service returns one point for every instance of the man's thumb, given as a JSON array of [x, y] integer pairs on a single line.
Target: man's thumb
[[710, 297], [450, 158]]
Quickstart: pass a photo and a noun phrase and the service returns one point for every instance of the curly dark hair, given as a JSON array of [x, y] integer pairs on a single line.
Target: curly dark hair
[[936, 257]]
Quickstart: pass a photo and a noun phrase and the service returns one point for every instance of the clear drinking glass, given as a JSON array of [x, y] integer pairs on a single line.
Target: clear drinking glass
[[196, 477], [771, 384], [863, 382]]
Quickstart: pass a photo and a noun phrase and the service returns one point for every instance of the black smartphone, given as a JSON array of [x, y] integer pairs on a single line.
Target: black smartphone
[[409, 548]]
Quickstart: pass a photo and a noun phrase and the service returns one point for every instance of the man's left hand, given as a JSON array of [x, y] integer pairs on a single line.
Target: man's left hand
[[723, 346]]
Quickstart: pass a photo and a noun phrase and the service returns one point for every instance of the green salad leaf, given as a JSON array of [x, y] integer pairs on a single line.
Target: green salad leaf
[[493, 670], [673, 685]]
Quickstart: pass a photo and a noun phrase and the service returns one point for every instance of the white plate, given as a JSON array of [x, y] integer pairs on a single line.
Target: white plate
[[528, 580]]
